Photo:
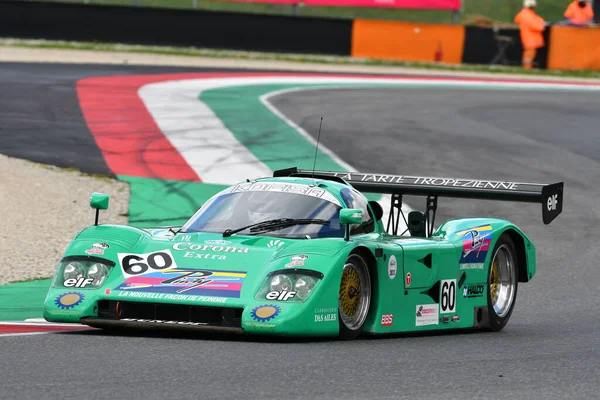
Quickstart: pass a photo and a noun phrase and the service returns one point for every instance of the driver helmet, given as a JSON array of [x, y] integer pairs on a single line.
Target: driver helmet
[[263, 207]]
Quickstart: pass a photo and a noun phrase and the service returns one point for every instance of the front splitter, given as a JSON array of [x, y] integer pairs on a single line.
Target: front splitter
[[159, 325]]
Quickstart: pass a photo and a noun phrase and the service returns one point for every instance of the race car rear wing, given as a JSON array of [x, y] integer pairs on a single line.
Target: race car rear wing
[[549, 195]]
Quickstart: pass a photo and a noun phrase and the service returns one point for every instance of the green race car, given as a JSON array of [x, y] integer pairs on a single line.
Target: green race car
[[304, 253]]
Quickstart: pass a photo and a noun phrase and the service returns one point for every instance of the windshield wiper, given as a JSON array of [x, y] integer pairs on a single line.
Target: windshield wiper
[[274, 224]]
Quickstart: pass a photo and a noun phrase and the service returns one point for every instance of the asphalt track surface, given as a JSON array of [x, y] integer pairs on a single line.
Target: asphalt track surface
[[549, 348], [41, 119]]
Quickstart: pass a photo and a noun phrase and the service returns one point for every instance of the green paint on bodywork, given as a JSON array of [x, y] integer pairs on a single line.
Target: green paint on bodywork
[[170, 203], [351, 216], [99, 201], [253, 256], [432, 262]]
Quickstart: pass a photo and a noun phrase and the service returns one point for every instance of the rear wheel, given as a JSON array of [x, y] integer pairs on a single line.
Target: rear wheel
[[354, 297], [503, 282]]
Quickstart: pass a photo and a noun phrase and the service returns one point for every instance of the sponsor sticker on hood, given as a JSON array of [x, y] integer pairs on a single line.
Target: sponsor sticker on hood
[[98, 248], [297, 261], [158, 272]]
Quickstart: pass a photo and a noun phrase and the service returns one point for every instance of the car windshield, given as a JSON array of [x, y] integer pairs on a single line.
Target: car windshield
[[251, 203]]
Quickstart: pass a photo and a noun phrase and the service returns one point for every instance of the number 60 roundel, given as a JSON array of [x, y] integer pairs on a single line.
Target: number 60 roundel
[[137, 264], [448, 296]]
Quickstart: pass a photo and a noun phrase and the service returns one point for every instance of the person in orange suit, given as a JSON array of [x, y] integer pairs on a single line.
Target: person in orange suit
[[580, 13], [531, 27]]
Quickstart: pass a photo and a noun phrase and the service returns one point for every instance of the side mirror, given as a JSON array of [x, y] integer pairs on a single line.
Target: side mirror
[[350, 216], [99, 201]]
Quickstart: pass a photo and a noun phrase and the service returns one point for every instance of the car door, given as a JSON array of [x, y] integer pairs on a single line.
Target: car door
[[420, 262]]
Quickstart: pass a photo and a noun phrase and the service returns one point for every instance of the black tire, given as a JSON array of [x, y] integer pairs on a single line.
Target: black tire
[[355, 270], [499, 311]]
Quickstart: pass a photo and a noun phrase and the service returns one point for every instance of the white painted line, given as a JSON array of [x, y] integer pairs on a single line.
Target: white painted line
[[24, 334], [264, 99], [385, 198], [202, 139], [38, 323], [210, 149], [35, 320], [214, 152]]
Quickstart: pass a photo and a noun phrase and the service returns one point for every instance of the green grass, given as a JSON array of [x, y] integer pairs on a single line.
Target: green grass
[[499, 10], [298, 58]]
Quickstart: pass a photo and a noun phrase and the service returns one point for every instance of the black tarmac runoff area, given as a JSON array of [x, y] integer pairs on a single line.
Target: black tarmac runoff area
[[549, 350]]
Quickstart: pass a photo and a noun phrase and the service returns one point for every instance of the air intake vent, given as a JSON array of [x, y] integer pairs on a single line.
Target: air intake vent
[[212, 316], [120, 237]]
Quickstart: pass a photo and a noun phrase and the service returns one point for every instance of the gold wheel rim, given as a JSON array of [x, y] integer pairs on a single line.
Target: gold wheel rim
[[350, 291], [494, 284]]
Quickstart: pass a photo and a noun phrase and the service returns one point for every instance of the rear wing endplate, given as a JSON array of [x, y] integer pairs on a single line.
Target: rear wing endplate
[[550, 196]]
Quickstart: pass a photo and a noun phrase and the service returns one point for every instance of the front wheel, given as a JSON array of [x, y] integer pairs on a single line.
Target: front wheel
[[502, 283], [354, 297]]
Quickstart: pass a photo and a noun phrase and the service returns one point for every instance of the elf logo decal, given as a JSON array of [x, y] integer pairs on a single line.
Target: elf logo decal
[[448, 296], [78, 283], [552, 202], [284, 295]]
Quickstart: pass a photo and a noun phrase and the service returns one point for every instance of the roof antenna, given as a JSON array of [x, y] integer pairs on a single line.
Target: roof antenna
[[317, 149]]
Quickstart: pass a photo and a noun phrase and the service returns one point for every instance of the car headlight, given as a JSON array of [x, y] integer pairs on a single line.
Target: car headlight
[[303, 286], [73, 270], [291, 285], [280, 283], [98, 272], [81, 273]]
